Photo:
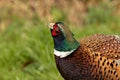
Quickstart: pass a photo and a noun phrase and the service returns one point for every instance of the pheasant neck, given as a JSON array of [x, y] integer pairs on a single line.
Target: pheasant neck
[[65, 47]]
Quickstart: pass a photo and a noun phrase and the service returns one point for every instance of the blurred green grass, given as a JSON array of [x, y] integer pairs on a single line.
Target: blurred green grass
[[25, 41], [26, 46]]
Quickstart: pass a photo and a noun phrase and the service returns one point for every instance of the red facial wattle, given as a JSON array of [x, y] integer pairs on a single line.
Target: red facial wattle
[[54, 33], [56, 30]]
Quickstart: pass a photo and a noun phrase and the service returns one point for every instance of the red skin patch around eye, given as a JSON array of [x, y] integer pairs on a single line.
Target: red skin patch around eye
[[54, 33]]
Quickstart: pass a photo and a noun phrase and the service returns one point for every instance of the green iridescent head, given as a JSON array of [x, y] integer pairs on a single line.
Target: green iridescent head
[[63, 37]]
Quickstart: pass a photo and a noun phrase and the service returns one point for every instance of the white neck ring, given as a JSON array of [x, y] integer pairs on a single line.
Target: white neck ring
[[63, 54]]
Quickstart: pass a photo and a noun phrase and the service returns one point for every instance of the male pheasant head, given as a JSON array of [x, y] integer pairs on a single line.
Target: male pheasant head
[[64, 41]]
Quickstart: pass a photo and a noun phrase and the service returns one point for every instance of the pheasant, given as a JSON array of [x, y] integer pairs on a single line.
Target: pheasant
[[95, 57]]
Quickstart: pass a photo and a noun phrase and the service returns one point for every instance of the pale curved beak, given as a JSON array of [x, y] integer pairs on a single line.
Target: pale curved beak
[[50, 25]]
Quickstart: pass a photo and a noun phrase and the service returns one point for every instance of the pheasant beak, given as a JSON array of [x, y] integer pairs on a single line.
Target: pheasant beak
[[51, 25]]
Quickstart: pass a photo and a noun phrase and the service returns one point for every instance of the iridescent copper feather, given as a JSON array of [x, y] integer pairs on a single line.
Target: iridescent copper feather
[[106, 54], [97, 58]]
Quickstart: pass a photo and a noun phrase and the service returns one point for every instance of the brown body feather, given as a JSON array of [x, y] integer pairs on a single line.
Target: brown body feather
[[97, 58]]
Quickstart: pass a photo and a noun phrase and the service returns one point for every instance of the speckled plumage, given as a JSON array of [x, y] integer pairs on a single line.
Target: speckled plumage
[[97, 58], [107, 45]]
